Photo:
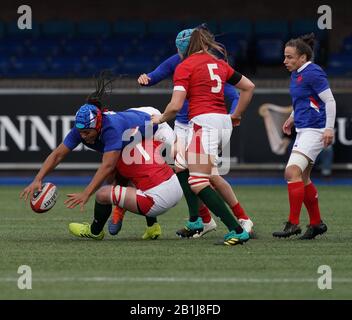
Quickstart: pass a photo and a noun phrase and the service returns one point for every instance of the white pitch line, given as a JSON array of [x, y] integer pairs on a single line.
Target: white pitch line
[[180, 280]]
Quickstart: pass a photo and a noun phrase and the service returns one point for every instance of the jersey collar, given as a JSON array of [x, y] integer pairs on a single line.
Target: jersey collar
[[304, 66]]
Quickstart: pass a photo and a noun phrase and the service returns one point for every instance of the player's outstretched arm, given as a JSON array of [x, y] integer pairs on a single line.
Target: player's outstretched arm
[[49, 164]]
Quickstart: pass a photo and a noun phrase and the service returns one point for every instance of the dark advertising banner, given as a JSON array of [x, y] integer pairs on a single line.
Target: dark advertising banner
[[32, 125]]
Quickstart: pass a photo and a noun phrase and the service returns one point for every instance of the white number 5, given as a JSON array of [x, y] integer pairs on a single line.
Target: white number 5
[[213, 76]]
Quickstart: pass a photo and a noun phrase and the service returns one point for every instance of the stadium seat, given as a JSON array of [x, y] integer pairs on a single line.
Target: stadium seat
[[94, 65], [5, 65], [192, 23], [44, 47], [304, 26], [270, 51], [340, 64], [347, 44], [12, 31], [93, 29], [28, 67], [13, 47], [242, 29], [165, 26], [61, 67], [2, 29], [80, 47], [131, 27], [117, 46], [271, 30], [58, 28], [136, 64]]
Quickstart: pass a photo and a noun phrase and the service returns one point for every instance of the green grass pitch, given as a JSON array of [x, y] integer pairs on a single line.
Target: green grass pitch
[[127, 267]]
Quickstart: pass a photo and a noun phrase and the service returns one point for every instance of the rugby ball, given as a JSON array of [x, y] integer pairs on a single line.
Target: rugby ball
[[45, 199]]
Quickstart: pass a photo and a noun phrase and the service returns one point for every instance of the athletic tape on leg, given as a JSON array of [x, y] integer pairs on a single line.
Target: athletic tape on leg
[[118, 195], [298, 160]]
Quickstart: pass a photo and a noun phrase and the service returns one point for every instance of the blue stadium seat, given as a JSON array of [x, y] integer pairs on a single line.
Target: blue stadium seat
[[270, 51], [192, 23], [81, 47], [347, 44], [304, 26], [5, 65], [271, 30], [29, 67], [156, 44], [117, 46], [58, 28], [14, 47], [94, 65], [12, 31], [132, 27], [340, 64], [242, 29], [62, 67], [235, 46], [93, 29], [44, 47], [136, 64], [2, 29], [172, 27]]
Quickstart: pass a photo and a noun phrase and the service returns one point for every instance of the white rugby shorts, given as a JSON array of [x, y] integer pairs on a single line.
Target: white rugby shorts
[[309, 142], [165, 196]]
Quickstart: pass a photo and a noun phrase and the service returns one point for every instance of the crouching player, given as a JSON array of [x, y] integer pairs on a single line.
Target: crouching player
[[156, 190]]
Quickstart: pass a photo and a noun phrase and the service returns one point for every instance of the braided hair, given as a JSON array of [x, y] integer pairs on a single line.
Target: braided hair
[[103, 81]]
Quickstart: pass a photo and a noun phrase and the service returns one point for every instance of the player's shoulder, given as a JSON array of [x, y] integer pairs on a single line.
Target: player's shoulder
[[314, 69], [184, 66], [109, 116]]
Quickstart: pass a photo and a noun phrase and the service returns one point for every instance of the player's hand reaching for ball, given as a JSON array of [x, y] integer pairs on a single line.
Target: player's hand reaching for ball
[[36, 185]]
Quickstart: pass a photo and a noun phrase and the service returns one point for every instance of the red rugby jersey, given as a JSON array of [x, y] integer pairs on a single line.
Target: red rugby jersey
[[143, 165], [203, 77]]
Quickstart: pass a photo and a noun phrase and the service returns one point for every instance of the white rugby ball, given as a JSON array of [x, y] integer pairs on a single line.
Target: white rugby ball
[[44, 200]]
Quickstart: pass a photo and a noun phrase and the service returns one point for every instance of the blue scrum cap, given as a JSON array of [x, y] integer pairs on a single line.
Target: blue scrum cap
[[183, 39], [86, 117]]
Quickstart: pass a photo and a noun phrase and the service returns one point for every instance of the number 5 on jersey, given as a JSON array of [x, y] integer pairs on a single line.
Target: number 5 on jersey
[[213, 76]]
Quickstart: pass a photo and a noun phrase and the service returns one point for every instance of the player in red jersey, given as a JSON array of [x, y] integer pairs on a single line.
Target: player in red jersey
[[200, 78], [155, 187]]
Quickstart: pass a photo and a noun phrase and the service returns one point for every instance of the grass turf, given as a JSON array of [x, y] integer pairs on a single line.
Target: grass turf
[[126, 267]]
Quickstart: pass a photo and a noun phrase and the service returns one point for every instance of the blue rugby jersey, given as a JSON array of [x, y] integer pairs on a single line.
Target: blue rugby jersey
[[167, 68], [113, 127], [309, 109]]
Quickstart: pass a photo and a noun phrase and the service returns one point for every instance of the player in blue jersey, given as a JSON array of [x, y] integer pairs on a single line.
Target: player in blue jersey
[[163, 71], [105, 132], [314, 112]]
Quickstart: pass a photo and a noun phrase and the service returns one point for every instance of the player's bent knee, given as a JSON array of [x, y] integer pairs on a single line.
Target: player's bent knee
[[296, 166], [102, 196], [117, 195], [198, 181]]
